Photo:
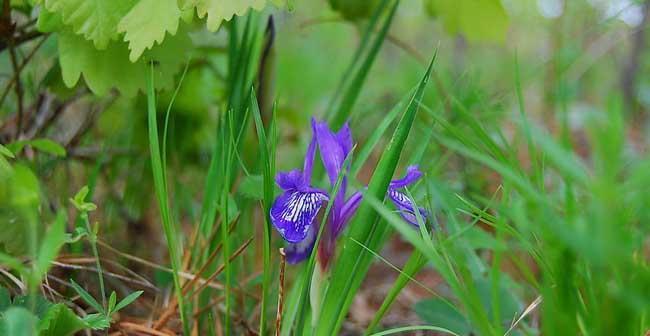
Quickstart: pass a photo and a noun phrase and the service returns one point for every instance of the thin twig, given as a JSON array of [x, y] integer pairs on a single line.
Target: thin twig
[[111, 274], [142, 329], [278, 316], [20, 68], [148, 263], [167, 314], [526, 311]]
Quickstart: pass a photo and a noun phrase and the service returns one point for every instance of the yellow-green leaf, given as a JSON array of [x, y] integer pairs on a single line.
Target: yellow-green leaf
[[147, 22], [219, 10], [95, 20], [111, 68], [477, 20]]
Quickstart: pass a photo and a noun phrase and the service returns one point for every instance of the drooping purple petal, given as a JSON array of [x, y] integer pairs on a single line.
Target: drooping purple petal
[[291, 180], [309, 160], [405, 206], [413, 173], [294, 211], [331, 151], [344, 138], [298, 252], [347, 211]]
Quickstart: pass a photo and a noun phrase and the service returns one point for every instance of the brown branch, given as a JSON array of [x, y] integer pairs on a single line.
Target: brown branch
[[171, 309], [20, 39], [22, 65], [278, 316]]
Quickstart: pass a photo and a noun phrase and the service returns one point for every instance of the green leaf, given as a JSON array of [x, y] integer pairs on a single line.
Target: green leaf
[[59, 320], [111, 68], [48, 21], [6, 152], [43, 145], [19, 210], [95, 20], [79, 233], [111, 302], [52, 242], [102, 69], [89, 299], [35, 303], [5, 299], [412, 267], [97, 321], [48, 146], [438, 312], [128, 300], [252, 187], [147, 22], [219, 10], [80, 197], [477, 20], [18, 321]]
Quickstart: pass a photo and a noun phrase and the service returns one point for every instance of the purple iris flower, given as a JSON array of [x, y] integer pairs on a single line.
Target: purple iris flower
[[294, 212]]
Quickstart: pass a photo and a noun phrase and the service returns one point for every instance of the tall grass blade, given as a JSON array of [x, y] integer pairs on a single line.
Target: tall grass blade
[[356, 58], [354, 88], [162, 196], [267, 174]]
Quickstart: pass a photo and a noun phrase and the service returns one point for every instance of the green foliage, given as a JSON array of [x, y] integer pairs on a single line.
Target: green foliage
[[438, 312], [95, 20], [250, 187], [477, 20], [102, 319], [104, 69], [148, 22], [159, 173], [33, 315], [6, 152], [354, 9], [49, 249], [217, 11], [18, 321], [44, 145], [548, 204], [79, 201], [20, 201], [110, 43], [59, 320]]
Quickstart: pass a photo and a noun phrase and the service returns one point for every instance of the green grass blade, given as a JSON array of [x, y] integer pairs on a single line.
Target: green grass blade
[[267, 173], [376, 135], [354, 89], [363, 43], [162, 196], [412, 266]]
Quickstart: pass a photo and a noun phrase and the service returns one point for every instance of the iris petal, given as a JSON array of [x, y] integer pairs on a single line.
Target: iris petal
[[413, 173], [292, 179], [347, 211], [405, 206], [300, 251], [294, 211], [344, 138], [331, 152]]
